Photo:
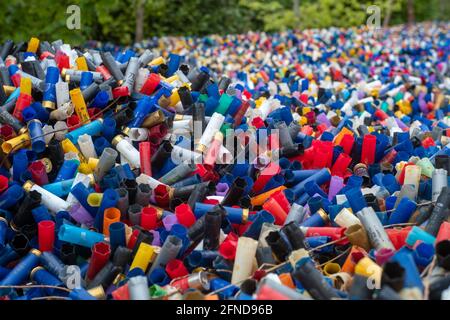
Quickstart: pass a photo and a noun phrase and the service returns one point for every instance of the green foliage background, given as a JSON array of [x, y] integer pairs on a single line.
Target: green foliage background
[[114, 20]]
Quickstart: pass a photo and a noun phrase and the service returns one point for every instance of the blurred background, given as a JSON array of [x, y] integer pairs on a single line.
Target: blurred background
[[128, 21]]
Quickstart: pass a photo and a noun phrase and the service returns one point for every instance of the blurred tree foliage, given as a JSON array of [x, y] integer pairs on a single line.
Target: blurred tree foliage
[[115, 20]]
